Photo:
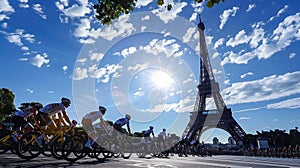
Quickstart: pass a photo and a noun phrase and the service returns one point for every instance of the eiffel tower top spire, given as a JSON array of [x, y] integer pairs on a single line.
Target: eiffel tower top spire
[[201, 24]]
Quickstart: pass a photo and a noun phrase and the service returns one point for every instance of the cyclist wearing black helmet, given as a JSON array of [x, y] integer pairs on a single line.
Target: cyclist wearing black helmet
[[46, 113], [121, 122], [87, 123], [148, 133]]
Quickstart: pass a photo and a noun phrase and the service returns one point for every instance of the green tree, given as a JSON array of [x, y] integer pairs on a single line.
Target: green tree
[[109, 10], [7, 106]]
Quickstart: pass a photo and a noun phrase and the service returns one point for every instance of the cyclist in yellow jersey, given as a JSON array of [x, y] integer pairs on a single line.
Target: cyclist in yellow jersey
[[45, 117]]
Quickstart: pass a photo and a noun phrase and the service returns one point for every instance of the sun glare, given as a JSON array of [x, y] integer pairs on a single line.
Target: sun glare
[[161, 79]]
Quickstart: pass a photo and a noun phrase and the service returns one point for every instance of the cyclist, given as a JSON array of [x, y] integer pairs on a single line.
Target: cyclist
[[162, 138], [22, 116], [45, 117], [148, 133], [121, 122], [87, 123]]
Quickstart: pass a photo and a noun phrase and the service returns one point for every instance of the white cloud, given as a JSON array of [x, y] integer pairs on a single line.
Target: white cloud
[[246, 74], [198, 8], [39, 60], [292, 55], [94, 72], [138, 67], [166, 15], [250, 7], [96, 56], [23, 59], [65, 68], [189, 34], [23, 4], [4, 25], [251, 109], [142, 3], [290, 103], [5, 7], [122, 27], [146, 17], [269, 88], [76, 10], [38, 8], [79, 74], [82, 60], [16, 38], [281, 11], [167, 47], [263, 48], [219, 43], [225, 15], [29, 90], [244, 118], [83, 28], [286, 32], [50, 91], [128, 51], [139, 93], [184, 105], [103, 73]]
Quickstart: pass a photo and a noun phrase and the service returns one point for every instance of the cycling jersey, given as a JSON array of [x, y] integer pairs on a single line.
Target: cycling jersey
[[122, 121], [163, 133], [24, 114], [148, 132], [53, 108], [93, 116]]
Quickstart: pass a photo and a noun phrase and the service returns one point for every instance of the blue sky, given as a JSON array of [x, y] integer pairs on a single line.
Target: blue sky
[[147, 63]]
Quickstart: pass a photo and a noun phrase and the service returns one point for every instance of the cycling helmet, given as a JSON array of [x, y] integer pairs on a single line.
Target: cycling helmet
[[65, 100], [24, 105], [151, 127], [37, 105], [164, 129], [127, 116], [102, 108]]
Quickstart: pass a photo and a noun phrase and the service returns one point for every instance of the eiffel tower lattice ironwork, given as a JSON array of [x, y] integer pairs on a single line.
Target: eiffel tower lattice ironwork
[[203, 118]]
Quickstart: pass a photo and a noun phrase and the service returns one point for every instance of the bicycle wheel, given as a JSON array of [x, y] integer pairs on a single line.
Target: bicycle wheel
[[142, 150], [106, 145], [73, 148], [126, 151], [27, 147], [4, 147], [57, 150]]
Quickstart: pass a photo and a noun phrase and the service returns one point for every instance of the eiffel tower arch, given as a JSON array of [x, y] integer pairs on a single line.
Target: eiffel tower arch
[[213, 115]]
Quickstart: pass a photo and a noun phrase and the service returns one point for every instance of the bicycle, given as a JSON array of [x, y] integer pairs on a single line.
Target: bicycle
[[9, 141], [27, 147], [147, 147], [121, 145]]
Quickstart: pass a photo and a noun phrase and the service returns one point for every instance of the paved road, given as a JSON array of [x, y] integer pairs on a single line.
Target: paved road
[[11, 160]]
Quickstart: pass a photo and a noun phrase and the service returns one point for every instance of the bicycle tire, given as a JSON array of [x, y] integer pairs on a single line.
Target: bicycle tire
[[27, 147]]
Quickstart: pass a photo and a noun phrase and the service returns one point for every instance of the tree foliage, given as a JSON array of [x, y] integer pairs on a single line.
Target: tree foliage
[[7, 106], [109, 10]]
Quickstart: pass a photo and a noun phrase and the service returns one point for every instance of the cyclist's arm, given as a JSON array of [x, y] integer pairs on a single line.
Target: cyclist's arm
[[103, 124], [128, 128], [153, 134], [36, 122], [61, 120], [66, 117]]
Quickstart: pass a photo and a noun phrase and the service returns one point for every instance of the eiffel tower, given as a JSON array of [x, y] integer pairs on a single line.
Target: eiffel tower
[[204, 116]]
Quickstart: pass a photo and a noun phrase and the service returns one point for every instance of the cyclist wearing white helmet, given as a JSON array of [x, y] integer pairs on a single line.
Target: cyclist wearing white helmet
[[87, 123], [121, 122], [45, 116]]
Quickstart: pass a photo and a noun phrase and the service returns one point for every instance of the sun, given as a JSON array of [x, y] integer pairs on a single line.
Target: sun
[[161, 79]]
